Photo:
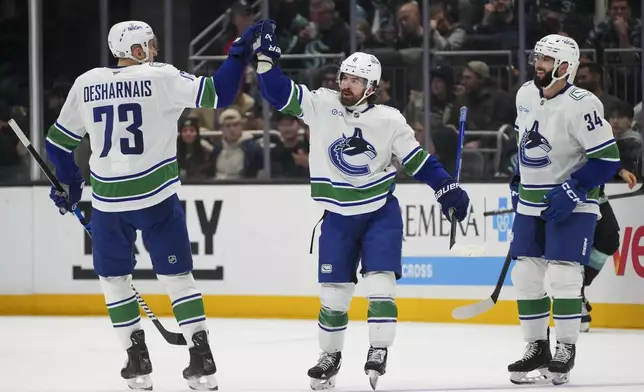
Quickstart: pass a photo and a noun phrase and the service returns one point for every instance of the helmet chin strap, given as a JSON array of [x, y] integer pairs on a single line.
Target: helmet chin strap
[[555, 78]]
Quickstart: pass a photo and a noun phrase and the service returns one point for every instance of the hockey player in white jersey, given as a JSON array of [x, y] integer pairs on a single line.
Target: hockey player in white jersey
[[351, 145], [566, 152], [130, 113]]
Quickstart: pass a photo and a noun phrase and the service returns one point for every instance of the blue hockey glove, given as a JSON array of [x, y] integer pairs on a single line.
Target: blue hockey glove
[[514, 190], [242, 47], [266, 45], [562, 200], [450, 195], [66, 201]]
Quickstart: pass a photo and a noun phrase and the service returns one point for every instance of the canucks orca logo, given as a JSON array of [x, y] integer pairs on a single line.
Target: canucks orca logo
[[347, 153], [534, 148]]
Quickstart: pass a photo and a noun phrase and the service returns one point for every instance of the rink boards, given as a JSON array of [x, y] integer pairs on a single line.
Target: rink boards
[[251, 256]]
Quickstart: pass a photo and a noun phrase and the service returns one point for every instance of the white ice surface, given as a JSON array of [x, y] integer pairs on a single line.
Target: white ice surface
[[47, 354]]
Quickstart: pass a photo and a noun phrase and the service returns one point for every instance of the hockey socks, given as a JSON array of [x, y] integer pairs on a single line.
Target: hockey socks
[[187, 304], [567, 315], [332, 325], [534, 315], [121, 307], [382, 316]]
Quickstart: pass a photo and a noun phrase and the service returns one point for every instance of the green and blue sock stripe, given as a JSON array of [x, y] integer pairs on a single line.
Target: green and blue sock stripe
[[566, 308], [382, 309], [192, 320], [189, 309], [534, 316], [124, 313], [332, 320]]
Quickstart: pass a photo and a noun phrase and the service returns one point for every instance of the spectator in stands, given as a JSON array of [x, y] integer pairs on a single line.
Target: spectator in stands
[[194, 154], [290, 156], [328, 77], [365, 38], [488, 106], [590, 76], [326, 32], [55, 100], [383, 96], [629, 142], [445, 34], [10, 147], [411, 29], [237, 155], [441, 102], [242, 16], [620, 30], [498, 17]]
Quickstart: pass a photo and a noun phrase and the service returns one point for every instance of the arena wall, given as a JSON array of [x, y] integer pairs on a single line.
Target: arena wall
[[251, 257]]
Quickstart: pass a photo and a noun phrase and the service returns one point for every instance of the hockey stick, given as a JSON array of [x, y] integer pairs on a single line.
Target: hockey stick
[[472, 310], [617, 196], [173, 338], [458, 248]]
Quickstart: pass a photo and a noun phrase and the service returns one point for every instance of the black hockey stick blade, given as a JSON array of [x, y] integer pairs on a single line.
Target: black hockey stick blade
[[473, 310], [173, 338], [170, 337], [617, 196]]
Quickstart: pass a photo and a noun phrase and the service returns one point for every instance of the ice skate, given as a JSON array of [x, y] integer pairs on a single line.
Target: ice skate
[[138, 367], [376, 365], [562, 363], [585, 316], [537, 356], [324, 372], [200, 373]]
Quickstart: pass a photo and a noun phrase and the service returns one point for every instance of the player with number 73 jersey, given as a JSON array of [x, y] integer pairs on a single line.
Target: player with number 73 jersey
[[130, 113]]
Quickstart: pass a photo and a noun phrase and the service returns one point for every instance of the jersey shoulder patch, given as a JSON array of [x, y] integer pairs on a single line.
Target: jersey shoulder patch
[[578, 94]]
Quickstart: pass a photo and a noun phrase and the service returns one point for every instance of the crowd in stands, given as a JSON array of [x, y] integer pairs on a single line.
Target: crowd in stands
[[474, 63]]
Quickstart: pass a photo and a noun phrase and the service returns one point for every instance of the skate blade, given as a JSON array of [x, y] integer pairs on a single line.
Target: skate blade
[[373, 378], [204, 383], [522, 378], [560, 378], [140, 383], [322, 384]]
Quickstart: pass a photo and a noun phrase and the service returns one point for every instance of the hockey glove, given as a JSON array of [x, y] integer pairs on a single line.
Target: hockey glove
[[66, 201], [242, 47], [514, 190], [450, 195], [266, 46], [562, 200]]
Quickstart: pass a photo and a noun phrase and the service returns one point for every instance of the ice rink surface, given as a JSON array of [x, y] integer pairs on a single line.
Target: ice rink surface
[[47, 354]]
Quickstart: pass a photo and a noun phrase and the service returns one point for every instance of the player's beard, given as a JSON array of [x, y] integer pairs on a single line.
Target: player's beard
[[349, 101], [547, 78]]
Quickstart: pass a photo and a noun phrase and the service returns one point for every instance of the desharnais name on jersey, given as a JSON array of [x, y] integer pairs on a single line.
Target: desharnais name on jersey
[[556, 137], [130, 115], [350, 159]]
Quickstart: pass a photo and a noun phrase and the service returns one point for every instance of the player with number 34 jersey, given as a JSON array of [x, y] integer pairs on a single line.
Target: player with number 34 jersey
[[566, 152]]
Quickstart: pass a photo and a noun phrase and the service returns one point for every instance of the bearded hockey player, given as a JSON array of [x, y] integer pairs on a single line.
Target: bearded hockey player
[[352, 142], [566, 152], [130, 113]]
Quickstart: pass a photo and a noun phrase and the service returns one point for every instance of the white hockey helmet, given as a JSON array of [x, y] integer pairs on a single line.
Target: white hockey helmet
[[124, 35], [563, 50], [365, 66]]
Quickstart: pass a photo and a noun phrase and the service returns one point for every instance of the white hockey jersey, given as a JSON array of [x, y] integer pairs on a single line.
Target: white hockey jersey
[[351, 152], [130, 115], [556, 137]]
